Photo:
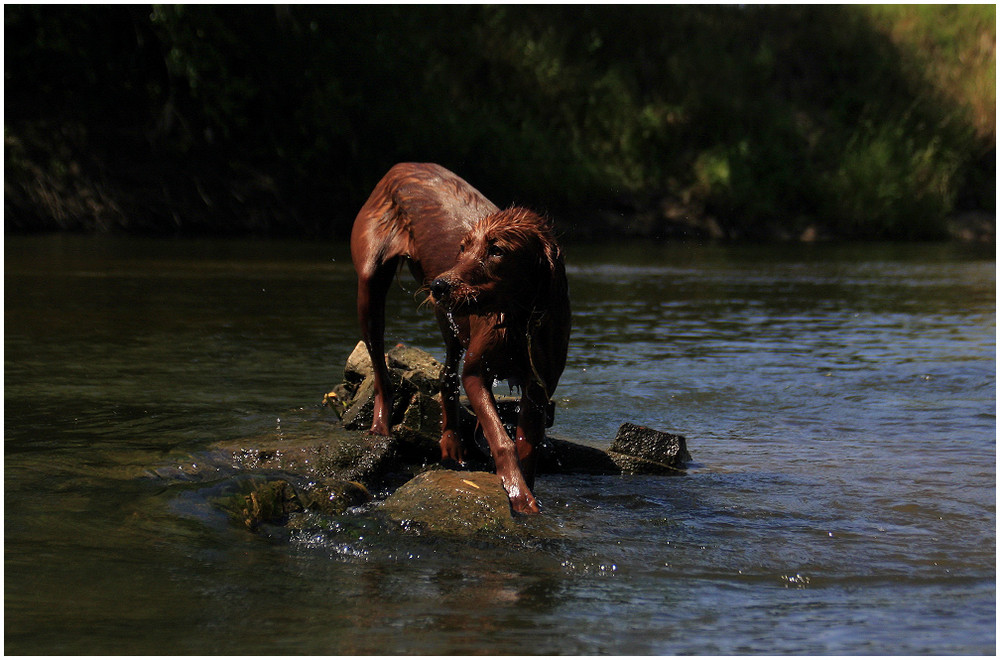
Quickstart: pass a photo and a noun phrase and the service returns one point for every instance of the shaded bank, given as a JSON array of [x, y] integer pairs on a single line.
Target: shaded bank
[[724, 122]]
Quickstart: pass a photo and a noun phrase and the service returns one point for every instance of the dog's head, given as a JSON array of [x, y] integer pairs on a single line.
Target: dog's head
[[506, 262]]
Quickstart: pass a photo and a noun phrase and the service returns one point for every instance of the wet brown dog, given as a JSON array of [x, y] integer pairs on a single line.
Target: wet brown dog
[[498, 285]]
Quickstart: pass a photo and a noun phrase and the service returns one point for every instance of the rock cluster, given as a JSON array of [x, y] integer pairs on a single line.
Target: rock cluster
[[332, 474]]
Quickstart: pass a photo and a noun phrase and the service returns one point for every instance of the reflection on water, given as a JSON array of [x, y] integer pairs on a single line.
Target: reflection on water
[[839, 403]]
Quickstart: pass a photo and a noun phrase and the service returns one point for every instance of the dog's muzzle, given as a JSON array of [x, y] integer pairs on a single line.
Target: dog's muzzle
[[440, 288]]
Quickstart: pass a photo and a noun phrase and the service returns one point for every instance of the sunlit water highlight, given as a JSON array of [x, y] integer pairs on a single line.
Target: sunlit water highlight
[[839, 403]]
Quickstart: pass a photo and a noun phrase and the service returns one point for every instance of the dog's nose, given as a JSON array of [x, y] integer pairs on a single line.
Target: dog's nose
[[440, 288]]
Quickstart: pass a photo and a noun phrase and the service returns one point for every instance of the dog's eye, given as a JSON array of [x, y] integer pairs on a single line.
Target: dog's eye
[[494, 250], [461, 248]]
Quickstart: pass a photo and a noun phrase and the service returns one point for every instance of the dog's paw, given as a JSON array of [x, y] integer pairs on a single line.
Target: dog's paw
[[522, 501]]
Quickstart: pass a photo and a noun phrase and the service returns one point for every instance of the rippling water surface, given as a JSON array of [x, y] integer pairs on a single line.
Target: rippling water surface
[[839, 402]]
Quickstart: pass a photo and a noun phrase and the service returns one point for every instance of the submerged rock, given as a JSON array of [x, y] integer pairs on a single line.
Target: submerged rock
[[269, 502], [558, 456], [273, 502], [452, 503], [334, 497]]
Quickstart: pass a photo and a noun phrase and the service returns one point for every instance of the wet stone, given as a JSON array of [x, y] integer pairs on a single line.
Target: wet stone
[[358, 415], [358, 366], [452, 503], [410, 370], [641, 450], [419, 431], [557, 456], [338, 399], [351, 457], [362, 458], [334, 496], [269, 503], [419, 368]]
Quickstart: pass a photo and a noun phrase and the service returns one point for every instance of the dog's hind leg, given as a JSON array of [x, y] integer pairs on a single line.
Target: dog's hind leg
[[373, 286]]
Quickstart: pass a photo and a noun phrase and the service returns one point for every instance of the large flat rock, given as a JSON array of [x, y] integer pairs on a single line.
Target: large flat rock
[[452, 503]]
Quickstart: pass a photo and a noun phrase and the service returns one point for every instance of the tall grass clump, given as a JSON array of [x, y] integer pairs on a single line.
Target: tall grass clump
[[890, 184]]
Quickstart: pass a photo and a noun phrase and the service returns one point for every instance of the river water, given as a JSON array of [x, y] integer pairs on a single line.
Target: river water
[[839, 403]]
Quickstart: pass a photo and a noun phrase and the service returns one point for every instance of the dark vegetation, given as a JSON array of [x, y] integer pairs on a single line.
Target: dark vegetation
[[732, 122]]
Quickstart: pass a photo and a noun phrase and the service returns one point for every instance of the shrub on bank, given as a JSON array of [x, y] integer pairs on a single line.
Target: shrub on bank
[[752, 122]]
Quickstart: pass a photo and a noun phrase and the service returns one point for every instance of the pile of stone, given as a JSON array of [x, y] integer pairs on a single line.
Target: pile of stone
[[416, 421], [334, 474]]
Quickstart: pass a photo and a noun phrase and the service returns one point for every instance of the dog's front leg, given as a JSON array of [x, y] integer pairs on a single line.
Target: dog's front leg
[[502, 447], [530, 429], [455, 333], [451, 439]]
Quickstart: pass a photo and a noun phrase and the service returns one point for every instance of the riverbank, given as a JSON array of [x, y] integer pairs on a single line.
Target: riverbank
[[706, 122], [88, 194]]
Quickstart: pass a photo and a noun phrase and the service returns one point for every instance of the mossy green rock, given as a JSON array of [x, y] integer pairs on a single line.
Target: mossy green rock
[[268, 503], [273, 502], [452, 503], [334, 497]]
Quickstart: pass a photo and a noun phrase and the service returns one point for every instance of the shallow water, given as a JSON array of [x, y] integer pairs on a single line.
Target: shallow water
[[839, 402]]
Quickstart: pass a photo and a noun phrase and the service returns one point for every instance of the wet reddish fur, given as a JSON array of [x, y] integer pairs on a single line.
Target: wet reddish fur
[[507, 296]]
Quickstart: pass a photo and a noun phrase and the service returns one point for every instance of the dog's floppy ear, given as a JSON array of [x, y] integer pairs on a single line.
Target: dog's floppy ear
[[558, 290], [550, 262], [548, 329], [539, 229], [550, 253]]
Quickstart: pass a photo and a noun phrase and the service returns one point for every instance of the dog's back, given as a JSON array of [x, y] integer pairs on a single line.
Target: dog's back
[[420, 211]]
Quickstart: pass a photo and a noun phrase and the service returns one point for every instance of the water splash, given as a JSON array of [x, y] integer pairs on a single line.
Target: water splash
[[452, 323]]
